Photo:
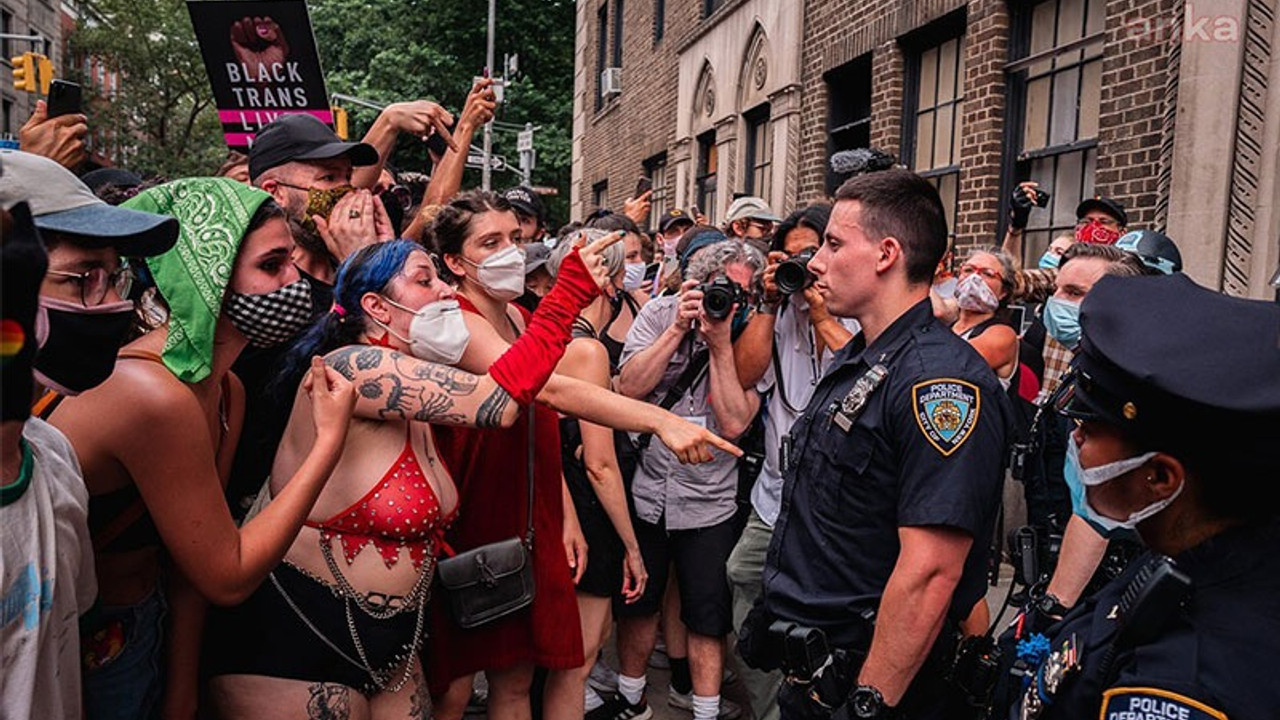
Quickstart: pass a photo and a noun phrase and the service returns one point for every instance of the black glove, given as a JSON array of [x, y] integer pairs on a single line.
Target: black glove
[[1019, 208]]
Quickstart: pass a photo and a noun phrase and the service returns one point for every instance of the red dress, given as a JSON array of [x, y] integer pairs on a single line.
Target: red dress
[[490, 468]]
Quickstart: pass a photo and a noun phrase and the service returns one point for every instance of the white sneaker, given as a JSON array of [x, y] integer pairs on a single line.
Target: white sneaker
[[603, 679], [729, 710]]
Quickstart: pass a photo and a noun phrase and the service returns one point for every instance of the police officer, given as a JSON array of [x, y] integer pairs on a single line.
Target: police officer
[[1166, 369], [893, 472]]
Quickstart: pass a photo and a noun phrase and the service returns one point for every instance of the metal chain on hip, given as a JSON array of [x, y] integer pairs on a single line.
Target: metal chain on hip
[[380, 612], [377, 677], [381, 678]]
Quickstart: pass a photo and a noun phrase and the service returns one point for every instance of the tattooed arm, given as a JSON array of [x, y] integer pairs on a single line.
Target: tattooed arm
[[391, 385]]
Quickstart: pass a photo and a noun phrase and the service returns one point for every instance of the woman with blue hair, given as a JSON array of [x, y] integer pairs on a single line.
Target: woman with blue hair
[[339, 623]]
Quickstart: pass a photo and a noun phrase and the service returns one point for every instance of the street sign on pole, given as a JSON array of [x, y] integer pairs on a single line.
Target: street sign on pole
[[524, 140]]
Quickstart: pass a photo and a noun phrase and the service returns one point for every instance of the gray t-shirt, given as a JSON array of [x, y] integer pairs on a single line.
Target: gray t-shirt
[[688, 496], [801, 369]]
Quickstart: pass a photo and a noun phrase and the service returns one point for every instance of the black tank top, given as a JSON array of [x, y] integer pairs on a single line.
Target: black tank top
[[614, 347]]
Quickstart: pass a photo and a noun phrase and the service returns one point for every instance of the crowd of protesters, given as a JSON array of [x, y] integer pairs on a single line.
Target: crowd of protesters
[[250, 418]]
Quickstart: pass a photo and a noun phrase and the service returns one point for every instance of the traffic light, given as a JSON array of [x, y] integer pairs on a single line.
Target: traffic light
[[24, 72], [45, 66], [339, 121]]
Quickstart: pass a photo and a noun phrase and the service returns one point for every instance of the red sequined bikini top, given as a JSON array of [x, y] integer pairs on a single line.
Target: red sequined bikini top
[[400, 511]]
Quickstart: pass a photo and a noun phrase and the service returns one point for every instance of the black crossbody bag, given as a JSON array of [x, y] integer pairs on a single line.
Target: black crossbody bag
[[494, 580]]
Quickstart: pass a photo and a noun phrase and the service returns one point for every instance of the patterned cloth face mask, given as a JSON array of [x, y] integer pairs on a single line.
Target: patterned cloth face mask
[[321, 202], [271, 318]]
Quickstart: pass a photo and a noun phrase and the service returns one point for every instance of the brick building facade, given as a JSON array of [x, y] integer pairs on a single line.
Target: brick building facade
[[1171, 107], [25, 18]]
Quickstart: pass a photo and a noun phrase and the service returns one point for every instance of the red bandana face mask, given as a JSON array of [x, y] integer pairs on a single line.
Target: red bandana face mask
[[1096, 233]]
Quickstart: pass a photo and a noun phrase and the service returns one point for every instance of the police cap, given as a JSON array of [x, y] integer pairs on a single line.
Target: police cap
[[1169, 361]]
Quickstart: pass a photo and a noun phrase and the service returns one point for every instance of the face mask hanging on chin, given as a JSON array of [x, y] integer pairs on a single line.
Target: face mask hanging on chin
[[1080, 478]]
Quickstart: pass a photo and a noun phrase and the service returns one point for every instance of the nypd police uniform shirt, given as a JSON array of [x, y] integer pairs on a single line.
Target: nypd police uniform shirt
[[926, 447], [1217, 658]]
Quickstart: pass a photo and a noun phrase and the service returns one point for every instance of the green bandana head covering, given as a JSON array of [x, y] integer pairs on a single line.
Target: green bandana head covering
[[213, 216]]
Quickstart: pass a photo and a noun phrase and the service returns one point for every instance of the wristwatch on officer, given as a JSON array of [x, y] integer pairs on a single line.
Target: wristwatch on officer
[[767, 308], [867, 702], [1049, 605]]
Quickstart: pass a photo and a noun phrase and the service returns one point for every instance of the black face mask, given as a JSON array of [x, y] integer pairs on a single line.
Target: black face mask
[[79, 346], [24, 262]]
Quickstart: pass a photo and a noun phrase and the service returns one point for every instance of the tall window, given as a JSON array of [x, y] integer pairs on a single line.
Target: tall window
[[759, 152], [849, 109], [1055, 88], [933, 128], [600, 195], [659, 19], [655, 168], [708, 163], [6, 120], [6, 27], [617, 33], [602, 51]]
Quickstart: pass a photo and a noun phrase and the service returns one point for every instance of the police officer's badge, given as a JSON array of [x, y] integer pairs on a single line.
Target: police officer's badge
[[946, 410]]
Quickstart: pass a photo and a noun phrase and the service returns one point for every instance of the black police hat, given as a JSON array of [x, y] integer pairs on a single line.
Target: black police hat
[[1166, 360], [299, 136], [671, 217], [1106, 205], [1154, 249]]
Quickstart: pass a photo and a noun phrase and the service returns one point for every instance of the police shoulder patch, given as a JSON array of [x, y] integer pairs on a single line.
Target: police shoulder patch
[[946, 410], [1141, 703]]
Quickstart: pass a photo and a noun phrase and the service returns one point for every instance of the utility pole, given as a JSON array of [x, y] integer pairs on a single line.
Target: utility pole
[[487, 171]]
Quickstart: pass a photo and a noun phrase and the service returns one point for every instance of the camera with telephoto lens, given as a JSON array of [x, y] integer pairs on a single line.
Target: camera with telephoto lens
[[792, 274], [720, 295]]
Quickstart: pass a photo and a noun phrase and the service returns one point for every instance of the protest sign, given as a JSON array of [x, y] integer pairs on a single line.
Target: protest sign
[[262, 62]]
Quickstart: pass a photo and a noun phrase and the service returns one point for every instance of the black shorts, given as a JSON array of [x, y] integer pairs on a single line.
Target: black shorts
[[264, 635], [699, 556], [605, 553]]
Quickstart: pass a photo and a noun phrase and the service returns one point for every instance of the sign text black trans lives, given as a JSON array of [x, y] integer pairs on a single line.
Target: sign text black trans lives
[[262, 62]]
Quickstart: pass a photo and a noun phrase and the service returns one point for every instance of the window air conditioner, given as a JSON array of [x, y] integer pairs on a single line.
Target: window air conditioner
[[611, 81]]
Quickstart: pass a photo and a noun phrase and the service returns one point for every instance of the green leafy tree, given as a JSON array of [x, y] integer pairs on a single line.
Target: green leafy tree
[[393, 50], [384, 51], [160, 119]]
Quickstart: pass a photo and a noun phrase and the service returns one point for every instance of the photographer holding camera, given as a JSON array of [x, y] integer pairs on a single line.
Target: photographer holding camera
[[787, 345], [679, 354]]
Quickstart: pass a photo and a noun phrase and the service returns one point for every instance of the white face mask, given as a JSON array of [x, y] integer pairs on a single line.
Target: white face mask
[[1106, 473], [437, 333], [634, 276], [974, 294], [501, 274]]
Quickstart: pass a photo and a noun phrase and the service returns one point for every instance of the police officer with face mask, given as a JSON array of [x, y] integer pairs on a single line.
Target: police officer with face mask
[[1166, 368]]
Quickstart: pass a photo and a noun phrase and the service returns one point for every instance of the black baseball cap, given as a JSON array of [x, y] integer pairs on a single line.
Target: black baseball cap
[[671, 217], [1106, 205], [526, 202], [299, 136], [1153, 248]]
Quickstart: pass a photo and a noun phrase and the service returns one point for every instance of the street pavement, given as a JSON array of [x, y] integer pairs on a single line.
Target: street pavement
[[659, 678]]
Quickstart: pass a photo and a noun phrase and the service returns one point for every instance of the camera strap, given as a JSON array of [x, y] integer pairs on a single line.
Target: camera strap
[[690, 377]]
